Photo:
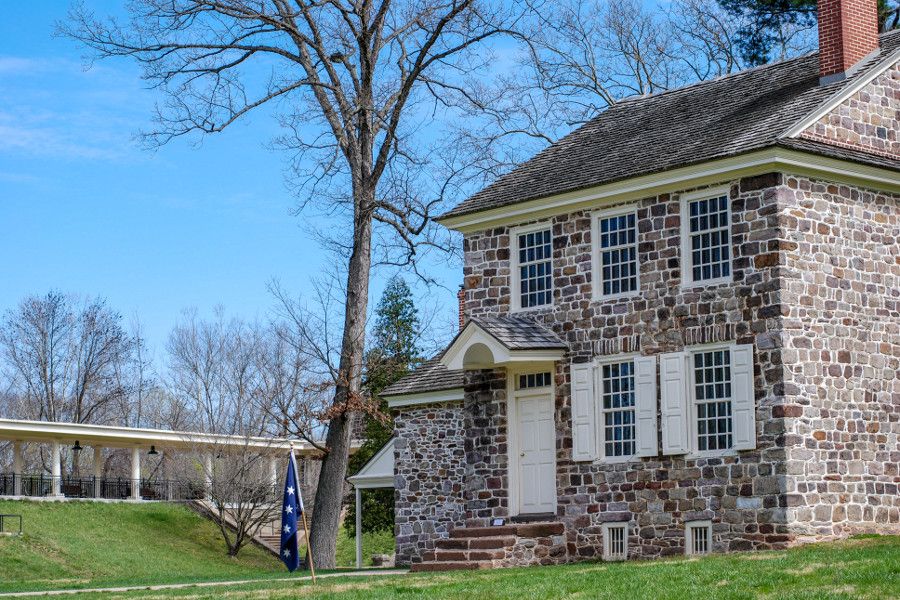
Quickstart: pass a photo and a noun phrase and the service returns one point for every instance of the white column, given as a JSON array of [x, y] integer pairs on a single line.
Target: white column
[[208, 474], [273, 471], [17, 468], [358, 528], [98, 471], [135, 473], [55, 470]]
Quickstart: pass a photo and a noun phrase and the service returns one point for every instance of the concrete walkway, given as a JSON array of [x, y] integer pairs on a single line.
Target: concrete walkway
[[209, 584]]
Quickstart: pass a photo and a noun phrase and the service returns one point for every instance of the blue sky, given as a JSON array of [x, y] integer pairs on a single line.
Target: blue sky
[[85, 210]]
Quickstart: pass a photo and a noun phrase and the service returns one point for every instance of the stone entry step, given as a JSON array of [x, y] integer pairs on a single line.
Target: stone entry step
[[481, 547]]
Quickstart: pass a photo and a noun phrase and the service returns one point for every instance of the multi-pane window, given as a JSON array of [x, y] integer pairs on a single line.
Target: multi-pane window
[[712, 393], [698, 537], [618, 409], [710, 238], [618, 254], [535, 268], [615, 541], [534, 380]]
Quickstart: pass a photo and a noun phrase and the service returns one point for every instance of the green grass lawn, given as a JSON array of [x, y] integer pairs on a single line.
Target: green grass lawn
[[860, 568], [87, 544]]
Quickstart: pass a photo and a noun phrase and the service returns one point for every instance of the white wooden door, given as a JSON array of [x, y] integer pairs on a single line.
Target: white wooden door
[[537, 452]]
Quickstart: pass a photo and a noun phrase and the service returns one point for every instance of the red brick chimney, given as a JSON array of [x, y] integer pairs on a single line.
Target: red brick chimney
[[848, 32], [461, 298]]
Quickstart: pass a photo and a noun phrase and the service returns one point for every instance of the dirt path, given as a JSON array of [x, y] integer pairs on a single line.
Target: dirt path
[[209, 584]]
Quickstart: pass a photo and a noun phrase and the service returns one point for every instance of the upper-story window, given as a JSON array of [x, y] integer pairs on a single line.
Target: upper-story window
[[706, 235], [533, 269], [615, 250]]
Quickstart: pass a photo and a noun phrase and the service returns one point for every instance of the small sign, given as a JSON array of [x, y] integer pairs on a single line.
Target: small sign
[[498, 522]]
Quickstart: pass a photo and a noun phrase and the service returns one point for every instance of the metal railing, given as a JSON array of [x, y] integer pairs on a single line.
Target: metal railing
[[4, 524], [38, 486]]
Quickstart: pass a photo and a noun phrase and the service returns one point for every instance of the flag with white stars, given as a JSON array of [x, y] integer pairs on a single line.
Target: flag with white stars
[[291, 509]]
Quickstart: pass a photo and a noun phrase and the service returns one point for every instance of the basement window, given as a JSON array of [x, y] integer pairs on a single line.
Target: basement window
[[615, 541], [698, 538]]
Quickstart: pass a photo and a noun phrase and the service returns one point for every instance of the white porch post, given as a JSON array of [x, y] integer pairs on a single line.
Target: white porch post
[[208, 474], [17, 468], [358, 528], [273, 471], [55, 470], [135, 473], [98, 471]]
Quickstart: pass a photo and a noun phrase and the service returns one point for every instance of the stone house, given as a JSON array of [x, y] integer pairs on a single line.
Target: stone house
[[681, 328]]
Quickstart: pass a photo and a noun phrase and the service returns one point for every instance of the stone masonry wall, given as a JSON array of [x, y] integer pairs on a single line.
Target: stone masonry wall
[[743, 494], [842, 357], [429, 475], [487, 472], [869, 120]]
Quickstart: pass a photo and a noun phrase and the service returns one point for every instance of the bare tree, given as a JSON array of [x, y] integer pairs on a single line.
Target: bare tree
[[62, 357], [228, 375], [354, 80]]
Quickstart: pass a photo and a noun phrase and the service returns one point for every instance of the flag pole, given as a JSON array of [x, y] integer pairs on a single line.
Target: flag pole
[[312, 568]]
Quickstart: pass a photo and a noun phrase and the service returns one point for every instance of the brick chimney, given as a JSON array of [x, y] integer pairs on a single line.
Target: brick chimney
[[848, 32], [461, 298]]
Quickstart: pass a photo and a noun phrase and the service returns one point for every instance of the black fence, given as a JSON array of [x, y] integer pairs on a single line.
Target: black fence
[[37, 486]]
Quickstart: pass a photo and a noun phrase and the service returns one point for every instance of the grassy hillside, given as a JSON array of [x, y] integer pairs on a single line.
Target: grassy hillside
[[86, 544], [861, 568]]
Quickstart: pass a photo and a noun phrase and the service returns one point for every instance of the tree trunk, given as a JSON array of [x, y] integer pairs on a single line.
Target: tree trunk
[[330, 491]]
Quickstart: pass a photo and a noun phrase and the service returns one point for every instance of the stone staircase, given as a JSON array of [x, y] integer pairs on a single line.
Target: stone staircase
[[498, 546]]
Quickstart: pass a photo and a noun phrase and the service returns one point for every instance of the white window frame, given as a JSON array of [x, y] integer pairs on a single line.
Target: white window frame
[[690, 351], [515, 278], [607, 550], [599, 421], [689, 527], [687, 270], [596, 266]]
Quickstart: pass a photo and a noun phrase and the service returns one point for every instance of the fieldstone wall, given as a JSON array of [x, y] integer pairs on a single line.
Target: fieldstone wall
[[816, 290], [487, 460], [869, 120], [743, 494], [842, 354], [430, 465]]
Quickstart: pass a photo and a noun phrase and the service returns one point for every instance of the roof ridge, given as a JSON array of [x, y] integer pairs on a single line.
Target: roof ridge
[[746, 71], [702, 82]]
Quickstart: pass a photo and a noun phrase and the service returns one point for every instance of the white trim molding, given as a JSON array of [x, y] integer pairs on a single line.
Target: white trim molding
[[773, 159], [422, 398], [474, 348], [840, 97]]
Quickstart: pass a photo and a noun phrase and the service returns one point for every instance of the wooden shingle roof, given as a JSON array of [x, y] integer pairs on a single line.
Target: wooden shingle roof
[[724, 117]]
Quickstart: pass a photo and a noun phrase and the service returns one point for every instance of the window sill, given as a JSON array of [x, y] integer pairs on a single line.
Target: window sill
[[711, 454], [530, 309], [616, 460], [616, 296], [705, 283]]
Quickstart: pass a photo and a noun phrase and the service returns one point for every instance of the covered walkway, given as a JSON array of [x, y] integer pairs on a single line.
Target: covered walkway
[[153, 442]]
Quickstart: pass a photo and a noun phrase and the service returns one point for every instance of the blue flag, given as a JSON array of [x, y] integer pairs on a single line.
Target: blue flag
[[291, 510]]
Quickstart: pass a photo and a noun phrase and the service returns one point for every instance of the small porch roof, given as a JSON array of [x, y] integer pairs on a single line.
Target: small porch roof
[[129, 437], [378, 472], [488, 342]]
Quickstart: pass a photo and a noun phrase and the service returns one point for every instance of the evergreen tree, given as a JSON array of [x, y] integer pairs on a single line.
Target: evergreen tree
[[767, 17], [393, 352]]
